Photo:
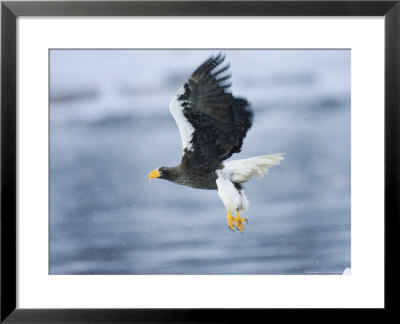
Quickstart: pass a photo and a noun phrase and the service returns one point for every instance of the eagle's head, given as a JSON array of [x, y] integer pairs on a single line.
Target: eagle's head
[[163, 173]]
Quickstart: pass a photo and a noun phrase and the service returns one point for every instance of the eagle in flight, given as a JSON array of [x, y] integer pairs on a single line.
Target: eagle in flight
[[212, 125]]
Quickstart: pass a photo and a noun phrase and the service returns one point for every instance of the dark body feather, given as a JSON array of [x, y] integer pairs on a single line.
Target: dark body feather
[[220, 123]]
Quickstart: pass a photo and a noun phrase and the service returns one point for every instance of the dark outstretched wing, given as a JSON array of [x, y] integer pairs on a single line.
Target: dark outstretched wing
[[207, 90], [212, 122]]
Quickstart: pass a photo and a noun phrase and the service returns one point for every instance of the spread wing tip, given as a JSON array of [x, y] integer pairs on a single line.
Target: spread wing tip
[[209, 65]]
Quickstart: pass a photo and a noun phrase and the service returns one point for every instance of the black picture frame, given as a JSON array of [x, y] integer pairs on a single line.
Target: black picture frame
[[10, 10]]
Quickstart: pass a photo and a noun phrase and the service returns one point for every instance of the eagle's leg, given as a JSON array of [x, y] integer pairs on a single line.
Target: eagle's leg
[[239, 222], [230, 220]]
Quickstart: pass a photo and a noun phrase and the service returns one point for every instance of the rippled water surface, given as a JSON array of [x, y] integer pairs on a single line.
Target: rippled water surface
[[110, 126]]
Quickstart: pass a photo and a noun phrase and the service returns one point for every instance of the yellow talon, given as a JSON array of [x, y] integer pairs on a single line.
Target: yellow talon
[[239, 222], [230, 220]]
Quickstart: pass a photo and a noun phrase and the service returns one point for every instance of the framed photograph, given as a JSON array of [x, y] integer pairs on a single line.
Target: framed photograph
[[197, 160]]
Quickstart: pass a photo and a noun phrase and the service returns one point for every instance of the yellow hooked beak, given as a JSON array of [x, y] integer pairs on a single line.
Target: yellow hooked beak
[[154, 174]]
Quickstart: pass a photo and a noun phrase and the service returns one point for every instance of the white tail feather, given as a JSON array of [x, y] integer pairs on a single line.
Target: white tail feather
[[242, 170]]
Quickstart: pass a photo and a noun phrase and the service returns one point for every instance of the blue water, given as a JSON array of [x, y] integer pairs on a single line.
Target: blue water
[[110, 126]]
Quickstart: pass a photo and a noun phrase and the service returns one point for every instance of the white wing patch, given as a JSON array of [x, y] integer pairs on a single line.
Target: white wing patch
[[185, 128], [242, 170]]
